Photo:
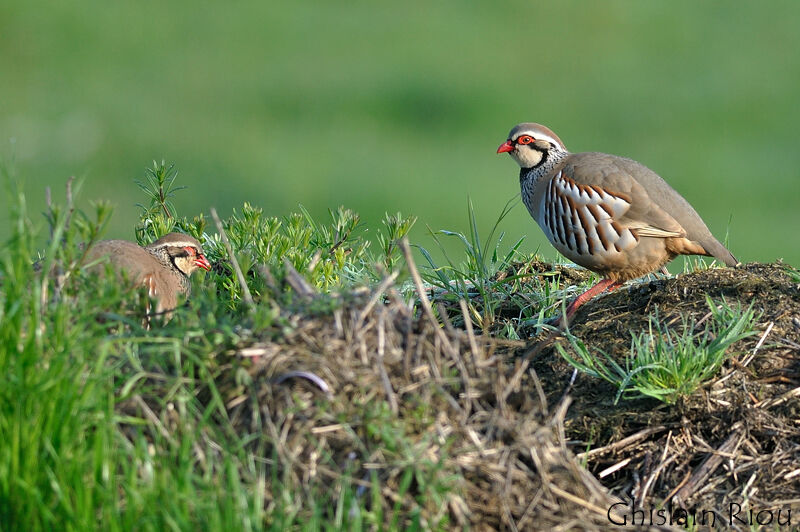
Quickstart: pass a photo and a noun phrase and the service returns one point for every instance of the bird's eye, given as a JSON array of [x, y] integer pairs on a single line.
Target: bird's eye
[[525, 139], [190, 251]]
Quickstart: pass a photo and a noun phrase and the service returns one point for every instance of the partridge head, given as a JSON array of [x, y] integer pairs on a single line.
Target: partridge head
[[163, 267], [609, 214]]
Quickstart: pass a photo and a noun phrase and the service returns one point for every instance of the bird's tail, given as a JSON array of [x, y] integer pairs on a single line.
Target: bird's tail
[[720, 252]]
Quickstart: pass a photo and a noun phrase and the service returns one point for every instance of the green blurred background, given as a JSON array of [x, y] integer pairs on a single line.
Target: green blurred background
[[400, 105]]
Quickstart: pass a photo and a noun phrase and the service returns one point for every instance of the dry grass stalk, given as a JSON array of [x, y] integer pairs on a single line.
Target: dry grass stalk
[[506, 452]]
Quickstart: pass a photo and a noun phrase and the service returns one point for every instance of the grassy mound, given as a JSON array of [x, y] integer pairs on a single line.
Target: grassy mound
[[314, 381], [733, 441]]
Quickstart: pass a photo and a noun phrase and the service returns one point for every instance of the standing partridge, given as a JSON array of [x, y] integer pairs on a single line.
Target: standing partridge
[[609, 214], [163, 267]]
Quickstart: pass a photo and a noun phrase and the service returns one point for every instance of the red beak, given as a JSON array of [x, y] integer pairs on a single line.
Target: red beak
[[202, 262], [505, 147]]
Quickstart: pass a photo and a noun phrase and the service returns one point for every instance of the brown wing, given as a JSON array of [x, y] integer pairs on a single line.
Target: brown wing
[[599, 171]]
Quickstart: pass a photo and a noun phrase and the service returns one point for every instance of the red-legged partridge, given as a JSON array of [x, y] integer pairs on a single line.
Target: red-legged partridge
[[163, 267], [609, 214]]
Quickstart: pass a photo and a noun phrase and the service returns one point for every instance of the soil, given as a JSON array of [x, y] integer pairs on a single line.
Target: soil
[[747, 416]]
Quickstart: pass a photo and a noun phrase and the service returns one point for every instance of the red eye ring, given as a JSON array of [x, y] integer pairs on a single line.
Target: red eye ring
[[525, 139]]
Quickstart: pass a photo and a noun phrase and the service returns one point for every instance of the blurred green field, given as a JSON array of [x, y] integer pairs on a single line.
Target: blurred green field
[[400, 106]]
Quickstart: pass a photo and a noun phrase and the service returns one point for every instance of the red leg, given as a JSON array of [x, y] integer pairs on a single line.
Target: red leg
[[605, 285]]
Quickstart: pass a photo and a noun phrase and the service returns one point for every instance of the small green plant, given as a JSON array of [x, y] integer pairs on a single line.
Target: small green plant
[[327, 255], [395, 227], [547, 295], [160, 217], [663, 363], [473, 280], [505, 291], [793, 273]]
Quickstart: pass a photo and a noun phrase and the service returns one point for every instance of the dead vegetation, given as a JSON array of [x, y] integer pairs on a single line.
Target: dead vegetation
[[476, 425], [442, 427], [737, 440]]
